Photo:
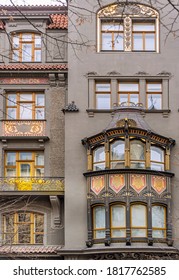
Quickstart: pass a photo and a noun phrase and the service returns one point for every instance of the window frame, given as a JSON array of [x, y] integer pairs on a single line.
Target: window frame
[[138, 161], [96, 229], [154, 93], [98, 162], [103, 92], [129, 93], [16, 225], [18, 104], [139, 227], [165, 222], [117, 161], [162, 163], [22, 41], [118, 227]]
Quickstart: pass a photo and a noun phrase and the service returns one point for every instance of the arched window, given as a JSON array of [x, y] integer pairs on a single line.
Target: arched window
[[99, 223], [138, 220], [158, 221], [26, 47], [137, 154], [99, 158], [23, 228], [118, 221], [117, 154], [157, 158]]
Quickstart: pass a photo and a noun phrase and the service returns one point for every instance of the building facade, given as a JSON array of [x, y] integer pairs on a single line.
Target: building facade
[[89, 166]]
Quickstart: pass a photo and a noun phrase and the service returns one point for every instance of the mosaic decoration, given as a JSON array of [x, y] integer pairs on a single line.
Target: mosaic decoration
[[24, 128], [97, 184], [24, 81], [116, 182], [158, 183], [138, 182]]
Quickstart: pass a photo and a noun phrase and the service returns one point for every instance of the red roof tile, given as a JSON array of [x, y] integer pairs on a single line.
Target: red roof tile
[[59, 21], [4, 249], [21, 66]]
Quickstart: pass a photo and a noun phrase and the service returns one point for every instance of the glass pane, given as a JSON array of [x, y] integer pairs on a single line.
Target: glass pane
[[39, 100], [154, 101], [137, 165], [11, 172], [134, 98], [24, 217], [11, 113], [154, 87], [25, 111], [128, 87], [117, 150], [100, 234], [144, 26], [39, 159], [150, 42], [117, 165], [157, 154], [25, 170], [137, 42], [39, 223], [37, 55], [118, 233], [106, 41], [158, 233], [138, 215], [38, 239], [118, 42], [118, 216], [16, 41], [26, 52], [157, 166], [99, 217], [138, 232], [98, 166], [158, 217], [15, 55], [99, 154], [103, 87], [26, 97], [39, 172], [11, 100], [123, 98], [27, 37], [9, 223], [25, 156], [137, 150], [37, 41], [39, 113], [112, 26], [103, 101], [11, 158]]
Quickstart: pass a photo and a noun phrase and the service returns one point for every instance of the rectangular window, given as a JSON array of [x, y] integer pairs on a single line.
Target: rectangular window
[[26, 47], [24, 164], [143, 36], [25, 106], [154, 95], [103, 95], [128, 92], [112, 36]]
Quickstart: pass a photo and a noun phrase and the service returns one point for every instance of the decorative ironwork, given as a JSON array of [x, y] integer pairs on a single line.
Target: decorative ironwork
[[32, 184], [23, 128], [158, 183], [138, 182], [137, 256]]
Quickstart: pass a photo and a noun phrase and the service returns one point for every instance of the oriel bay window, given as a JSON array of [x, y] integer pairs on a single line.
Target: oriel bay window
[[144, 36], [138, 220], [154, 96], [103, 95], [137, 154], [128, 92], [118, 221], [24, 164], [112, 35], [26, 47], [117, 155], [23, 228], [25, 105], [99, 222], [158, 221]]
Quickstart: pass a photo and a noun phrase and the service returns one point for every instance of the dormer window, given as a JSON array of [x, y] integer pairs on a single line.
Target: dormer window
[[26, 47]]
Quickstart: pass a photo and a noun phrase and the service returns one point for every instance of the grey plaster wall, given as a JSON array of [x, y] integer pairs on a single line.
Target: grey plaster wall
[[80, 125]]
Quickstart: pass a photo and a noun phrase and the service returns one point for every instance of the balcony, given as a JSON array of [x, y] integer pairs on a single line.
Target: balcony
[[23, 128], [29, 185]]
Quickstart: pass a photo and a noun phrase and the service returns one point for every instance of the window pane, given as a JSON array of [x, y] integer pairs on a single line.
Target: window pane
[[11, 113], [103, 87], [137, 42], [138, 232], [117, 150], [15, 55], [37, 55], [154, 101], [157, 154], [118, 42], [154, 87], [158, 217], [38, 239], [37, 41], [118, 233], [11, 172], [143, 26], [123, 98], [99, 217], [128, 87], [25, 156], [103, 101], [138, 215], [39, 159], [25, 97], [11, 100], [11, 159], [39, 172], [9, 223], [26, 111], [39, 223], [106, 41], [134, 98], [118, 216], [99, 154], [16, 41], [137, 165], [39, 113], [112, 26], [150, 42], [39, 100], [24, 217], [25, 170], [98, 166], [27, 37], [158, 233], [26, 52], [117, 165], [157, 166], [137, 151]]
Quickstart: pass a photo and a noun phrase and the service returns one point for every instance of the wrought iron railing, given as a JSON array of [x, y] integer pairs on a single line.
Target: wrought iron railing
[[32, 184]]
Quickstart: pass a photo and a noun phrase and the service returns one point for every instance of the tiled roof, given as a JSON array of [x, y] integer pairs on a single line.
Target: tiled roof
[[71, 107], [21, 66], [4, 249], [59, 21]]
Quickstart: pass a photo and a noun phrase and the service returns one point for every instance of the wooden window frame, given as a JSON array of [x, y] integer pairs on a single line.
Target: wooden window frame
[[102, 92], [158, 162], [21, 42], [18, 160], [165, 220], [144, 33], [153, 92], [138, 161], [95, 230], [117, 228], [99, 162], [120, 161], [18, 104], [146, 221], [16, 224], [128, 93]]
